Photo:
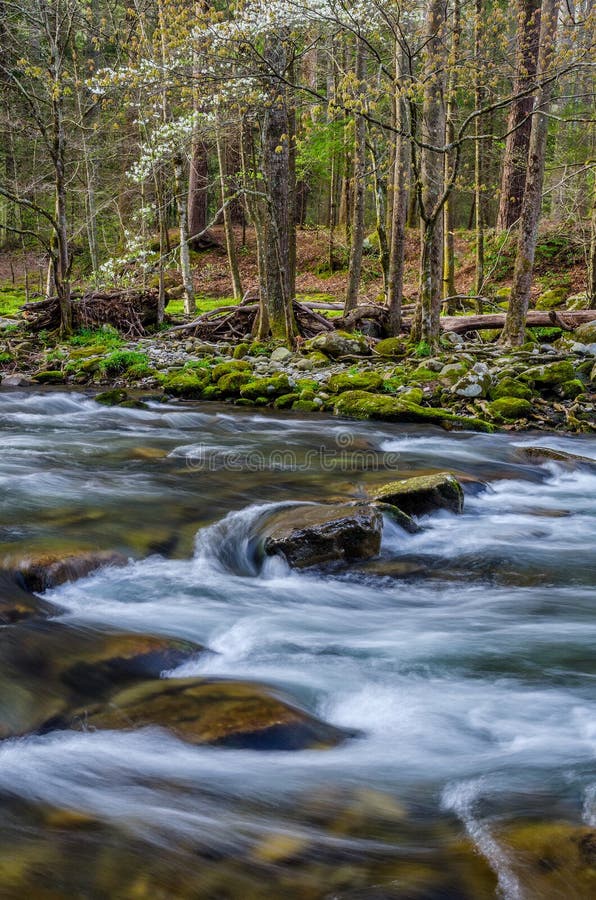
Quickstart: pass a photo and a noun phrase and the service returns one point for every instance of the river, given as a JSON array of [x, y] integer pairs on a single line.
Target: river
[[462, 658]]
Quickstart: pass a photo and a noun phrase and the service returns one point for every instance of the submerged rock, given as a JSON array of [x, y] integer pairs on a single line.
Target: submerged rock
[[221, 713], [423, 494], [312, 535], [48, 669], [47, 570], [17, 604], [543, 454]]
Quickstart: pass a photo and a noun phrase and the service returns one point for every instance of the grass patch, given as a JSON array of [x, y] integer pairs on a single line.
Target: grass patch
[[204, 304], [11, 299], [106, 338], [130, 361]]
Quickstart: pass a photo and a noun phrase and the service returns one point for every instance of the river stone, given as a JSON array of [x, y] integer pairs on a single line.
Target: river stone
[[549, 375], [423, 493], [543, 454], [17, 604], [48, 669], [312, 535], [337, 343], [355, 381], [47, 570], [281, 355], [586, 333], [364, 405], [220, 713]]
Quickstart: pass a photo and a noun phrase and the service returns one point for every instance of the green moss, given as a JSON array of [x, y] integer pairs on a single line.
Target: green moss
[[211, 392], [510, 408], [267, 387], [240, 350], [363, 405], [258, 348], [49, 376], [571, 389], [285, 401], [318, 358], [510, 387], [414, 395], [97, 340], [232, 365], [546, 335], [183, 384], [549, 375], [5, 358], [305, 405], [112, 398], [391, 347], [11, 300], [359, 381], [230, 383], [423, 375], [552, 299], [83, 366]]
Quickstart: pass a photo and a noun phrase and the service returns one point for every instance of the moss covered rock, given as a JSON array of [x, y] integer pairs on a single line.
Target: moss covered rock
[[49, 376], [550, 375], [188, 383], [286, 400], [338, 343], [17, 604], [222, 713], [586, 333], [510, 387], [364, 405], [552, 299], [571, 389], [357, 381], [423, 493], [510, 408], [318, 359], [302, 405], [391, 347], [228, 367], [230, 384], [267, 388]]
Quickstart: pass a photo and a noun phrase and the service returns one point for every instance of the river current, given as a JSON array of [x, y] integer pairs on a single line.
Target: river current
[[463, 657]]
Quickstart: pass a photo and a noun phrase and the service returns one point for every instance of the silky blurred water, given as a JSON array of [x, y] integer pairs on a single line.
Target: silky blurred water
[[464, 654]]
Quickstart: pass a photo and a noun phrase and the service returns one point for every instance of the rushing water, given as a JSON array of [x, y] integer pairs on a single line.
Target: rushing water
[[464, 656]]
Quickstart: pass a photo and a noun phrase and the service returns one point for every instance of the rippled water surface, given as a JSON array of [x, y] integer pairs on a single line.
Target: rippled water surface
[[463, 656]]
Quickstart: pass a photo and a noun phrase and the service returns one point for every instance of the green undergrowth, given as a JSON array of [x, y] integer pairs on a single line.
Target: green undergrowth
[[11, 299], [204, 304]]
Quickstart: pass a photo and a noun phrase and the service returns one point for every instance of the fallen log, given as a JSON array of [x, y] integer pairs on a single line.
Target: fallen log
[[568, 320]]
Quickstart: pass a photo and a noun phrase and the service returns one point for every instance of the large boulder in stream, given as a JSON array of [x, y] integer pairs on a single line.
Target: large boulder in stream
[[48, 669], [311, 535], [423, 494], [232, 714]]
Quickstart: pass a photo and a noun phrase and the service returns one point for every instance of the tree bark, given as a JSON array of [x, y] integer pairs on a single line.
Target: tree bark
[[185, 270], [519, 125], [448, 209], [359, 182], [430, 183], [399, 211], [227, 218], [514, 331], [279, 233]]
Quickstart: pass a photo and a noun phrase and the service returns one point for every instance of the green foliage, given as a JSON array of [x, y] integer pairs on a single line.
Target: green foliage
[[106, 338], [120, 361], [316, 148], [422, 349], [204, 304]]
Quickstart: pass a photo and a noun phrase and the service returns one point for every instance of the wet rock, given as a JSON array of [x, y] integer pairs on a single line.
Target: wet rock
[[423, 494], [359, 381], [39, 573], [398, 516], [475, 383], [48, 669], [232, 383], [228, 367], [268, 388], [338, 343], [544, 454], [510, 408], [220, 713], [365, 405], [312, 535], [16, 381], [49, 376], [552, 859], [17, 604], [112, 398]]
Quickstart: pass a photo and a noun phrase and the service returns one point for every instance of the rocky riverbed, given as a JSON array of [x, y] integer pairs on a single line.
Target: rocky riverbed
[[549, 383]]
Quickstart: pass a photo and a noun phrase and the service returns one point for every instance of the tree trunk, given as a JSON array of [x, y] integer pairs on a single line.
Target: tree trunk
[[227, 218], [399, 211], [381, 212], [185, 270], [448, 209], [276, 166], [592, 255], [479, 175], [519, 125], [359, 190], [431, 177], [514, 331]]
